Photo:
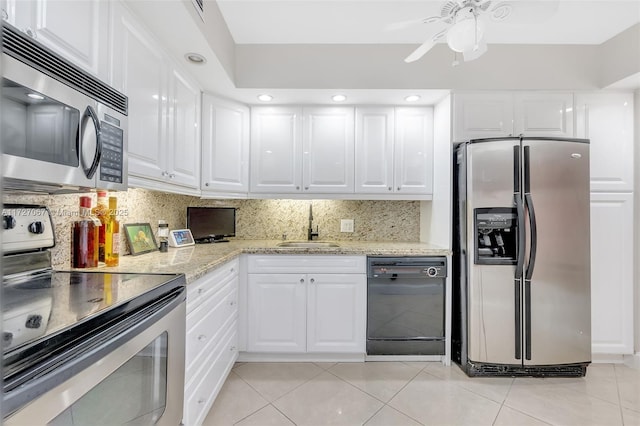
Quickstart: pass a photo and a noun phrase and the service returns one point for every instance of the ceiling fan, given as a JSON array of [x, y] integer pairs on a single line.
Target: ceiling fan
[[466, 21]]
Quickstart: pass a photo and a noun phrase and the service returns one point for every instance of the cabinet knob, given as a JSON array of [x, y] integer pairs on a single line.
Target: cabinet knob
[[172, 175], [389, 188], [206, 184], [165, 173], [232, 348], [297, 188], [232, 303], [301, 280], [398, 188], [312, 280], [306, 188], [232, 270], [201, 401], [202, 337], [200, 290]]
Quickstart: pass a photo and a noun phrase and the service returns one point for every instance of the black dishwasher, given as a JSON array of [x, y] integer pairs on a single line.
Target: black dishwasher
[[405, 305]]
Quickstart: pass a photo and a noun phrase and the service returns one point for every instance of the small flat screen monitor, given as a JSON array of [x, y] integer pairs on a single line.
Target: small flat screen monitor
[[211, 224]]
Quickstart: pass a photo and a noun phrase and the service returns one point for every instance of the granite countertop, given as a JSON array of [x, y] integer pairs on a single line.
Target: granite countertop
[[196, 261]]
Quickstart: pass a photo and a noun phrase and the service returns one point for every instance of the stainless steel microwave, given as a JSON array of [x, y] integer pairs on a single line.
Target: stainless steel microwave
[[63, 130]]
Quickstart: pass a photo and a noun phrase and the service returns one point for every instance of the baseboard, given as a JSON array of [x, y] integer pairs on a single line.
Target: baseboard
[[632, 361], [607, 358], [301, 357]]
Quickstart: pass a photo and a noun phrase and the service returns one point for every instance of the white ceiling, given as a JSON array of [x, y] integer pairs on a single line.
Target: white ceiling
[[368, 21]]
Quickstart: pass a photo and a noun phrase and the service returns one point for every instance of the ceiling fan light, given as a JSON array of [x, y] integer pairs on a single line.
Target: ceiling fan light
[[462, 35]]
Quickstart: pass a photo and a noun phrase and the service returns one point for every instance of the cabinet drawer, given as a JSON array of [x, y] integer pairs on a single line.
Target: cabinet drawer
[[200, 394], [306, 264], [210, 284], [206, 325]]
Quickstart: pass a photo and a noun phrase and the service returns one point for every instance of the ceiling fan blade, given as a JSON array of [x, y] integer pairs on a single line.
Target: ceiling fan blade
[[425, 47], [471, 54]]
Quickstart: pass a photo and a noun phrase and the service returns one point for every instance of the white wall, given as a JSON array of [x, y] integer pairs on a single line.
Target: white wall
[[636, 210], [435, 215]]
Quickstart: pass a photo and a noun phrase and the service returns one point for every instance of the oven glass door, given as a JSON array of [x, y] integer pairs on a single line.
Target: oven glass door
[[135, 377], [134, 394]]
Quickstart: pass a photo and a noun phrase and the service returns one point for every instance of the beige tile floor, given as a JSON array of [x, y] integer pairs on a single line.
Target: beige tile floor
[[415, 393]]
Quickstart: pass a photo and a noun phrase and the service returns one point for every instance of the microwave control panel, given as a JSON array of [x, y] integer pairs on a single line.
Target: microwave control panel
[[112, 147]]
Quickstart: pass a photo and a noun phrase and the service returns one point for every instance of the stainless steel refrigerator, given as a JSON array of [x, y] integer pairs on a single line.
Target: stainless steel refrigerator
[[521, 271]]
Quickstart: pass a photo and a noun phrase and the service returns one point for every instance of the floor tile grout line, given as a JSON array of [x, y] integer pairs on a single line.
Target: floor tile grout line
[[281, 412], [615, 376], [256, 390], [373, 415]]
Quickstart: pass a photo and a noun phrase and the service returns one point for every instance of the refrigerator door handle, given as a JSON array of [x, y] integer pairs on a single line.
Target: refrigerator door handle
[[527, 319], [534, 236], [517, 196]]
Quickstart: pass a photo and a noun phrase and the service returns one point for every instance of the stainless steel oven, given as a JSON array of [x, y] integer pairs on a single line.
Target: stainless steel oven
[[63, 130], [89, 348]]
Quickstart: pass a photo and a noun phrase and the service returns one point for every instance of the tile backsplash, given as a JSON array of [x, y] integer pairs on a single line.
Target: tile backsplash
[[255, 219]]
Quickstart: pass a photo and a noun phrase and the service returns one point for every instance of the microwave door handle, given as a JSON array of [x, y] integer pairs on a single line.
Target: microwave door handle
[[91, 142]]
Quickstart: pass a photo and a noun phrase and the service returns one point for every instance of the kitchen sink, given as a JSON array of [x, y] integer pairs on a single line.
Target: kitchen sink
[[308, 244]]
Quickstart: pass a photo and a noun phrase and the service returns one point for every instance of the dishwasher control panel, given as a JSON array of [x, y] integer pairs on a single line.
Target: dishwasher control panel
[[408, 267]]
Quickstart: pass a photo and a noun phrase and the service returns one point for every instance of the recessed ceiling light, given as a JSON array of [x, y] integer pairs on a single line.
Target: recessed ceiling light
[[412, 98], [35, 96], [265, 98], [339, 98], [195, 58]]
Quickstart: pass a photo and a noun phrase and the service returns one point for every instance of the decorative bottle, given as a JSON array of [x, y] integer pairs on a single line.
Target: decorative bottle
[[84, 237], [101, 211], [112, 235]]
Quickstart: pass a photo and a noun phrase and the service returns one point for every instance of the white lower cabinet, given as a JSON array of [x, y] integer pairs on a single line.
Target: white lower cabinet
[[211, 339], [612, 273], [293, 308]]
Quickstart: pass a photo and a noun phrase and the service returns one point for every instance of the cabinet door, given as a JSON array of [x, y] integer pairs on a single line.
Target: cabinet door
[[612, 273], [275, 149], [482, 115], [183, 159], [225, 145], [336, 316], [544, 114], [606, 119], [277, 313], [413, 155], [76, 29], [328, 144], [139, 71], [374, 150]]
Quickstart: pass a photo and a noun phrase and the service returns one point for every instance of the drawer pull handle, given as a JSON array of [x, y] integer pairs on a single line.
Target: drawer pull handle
[[201, 401], [200, 290], [202, 337], [232, 348], [232, 270], [232, 303], [301, 280]]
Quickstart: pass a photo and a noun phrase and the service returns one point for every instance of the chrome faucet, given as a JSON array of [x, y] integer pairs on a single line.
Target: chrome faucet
[[310, 233]]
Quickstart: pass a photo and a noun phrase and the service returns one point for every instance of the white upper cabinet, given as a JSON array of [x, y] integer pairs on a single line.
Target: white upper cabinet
[[374, 150], [501, 114], [328, 150], [140, 71], [296, 150], [606, 119], [482, 115], [276, 142], [413, 151], [81, 36], [543, 114], [225, 147], [184, 132], [164, 110]]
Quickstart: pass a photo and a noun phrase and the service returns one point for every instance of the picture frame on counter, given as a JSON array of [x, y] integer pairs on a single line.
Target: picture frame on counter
[[140, 238]]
